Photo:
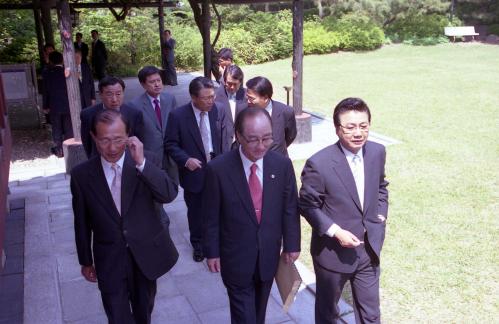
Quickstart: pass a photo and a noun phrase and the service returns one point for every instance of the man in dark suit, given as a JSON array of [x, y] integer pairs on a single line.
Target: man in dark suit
[[193, 138], [56, 103], [83, 47], [345, 200], [156, 105], [99, 55], [231, 97], [86, 81], [250, 204], [119, 238], [111, 91], [259, 93], [169, 44]]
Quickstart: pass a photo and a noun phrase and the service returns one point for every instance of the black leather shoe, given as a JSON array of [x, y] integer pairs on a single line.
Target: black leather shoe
[[198, 256]]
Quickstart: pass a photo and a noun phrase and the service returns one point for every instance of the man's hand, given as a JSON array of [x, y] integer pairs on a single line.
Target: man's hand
[[213, 264], [290, 257], [382, 218], [193, 164], [136, 150], [347, 239], [89, 273]]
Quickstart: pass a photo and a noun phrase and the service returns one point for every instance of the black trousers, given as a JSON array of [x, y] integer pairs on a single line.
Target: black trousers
[[134, 301], [195, 218], [99, 70], [62, 129], [365, 290], [248, 304], [170, 74]]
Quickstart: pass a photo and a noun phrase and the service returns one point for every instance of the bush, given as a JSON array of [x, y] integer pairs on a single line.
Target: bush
[[414, 28], [493, 29], [357, 32], [317, 40]]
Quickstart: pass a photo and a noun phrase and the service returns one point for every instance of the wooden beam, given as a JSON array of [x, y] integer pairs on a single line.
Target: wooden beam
[[92, 5], [297, 64], [206, 17]]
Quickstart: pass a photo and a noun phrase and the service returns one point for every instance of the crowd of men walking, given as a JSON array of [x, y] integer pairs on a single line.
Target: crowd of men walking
[[227, 148]]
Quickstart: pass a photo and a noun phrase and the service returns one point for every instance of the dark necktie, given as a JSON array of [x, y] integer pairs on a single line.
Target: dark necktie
[[157, 109], [256, 192]]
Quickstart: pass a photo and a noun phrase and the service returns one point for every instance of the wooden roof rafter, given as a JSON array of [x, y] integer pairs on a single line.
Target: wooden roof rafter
[[96, 4]]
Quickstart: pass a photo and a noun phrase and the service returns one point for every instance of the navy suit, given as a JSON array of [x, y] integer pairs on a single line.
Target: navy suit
[[249, 251], [222, 102], [183, 141], [129, 251], [84, 51], [329, 196], [99, 58], [132, 115], [55, 98]]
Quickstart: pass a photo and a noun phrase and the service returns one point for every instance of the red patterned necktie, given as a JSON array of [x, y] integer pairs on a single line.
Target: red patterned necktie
[[256, 192], [158, 112]]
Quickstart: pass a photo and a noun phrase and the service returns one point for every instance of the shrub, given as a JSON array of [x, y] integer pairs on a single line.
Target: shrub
[[317, 40], [419, 26], [357, 32], [493, 29]]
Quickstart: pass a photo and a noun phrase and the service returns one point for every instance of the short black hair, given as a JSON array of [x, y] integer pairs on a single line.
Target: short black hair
[[198, 84], [108, 117], [47, 46], [94, 31], [225, 53], [110, 80], [56, 58], [147, 71], [79, 34], [168, 31], [260, 85], [349, 104], [249, 113], [234, 72]]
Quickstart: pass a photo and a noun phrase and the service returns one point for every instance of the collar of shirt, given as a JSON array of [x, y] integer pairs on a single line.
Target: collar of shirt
[[197, 112], [269, 108], [108, 171], [247, 163], [151, 99], [349, 155]]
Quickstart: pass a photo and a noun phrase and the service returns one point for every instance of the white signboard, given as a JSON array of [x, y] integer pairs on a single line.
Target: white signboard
[[15, 85]]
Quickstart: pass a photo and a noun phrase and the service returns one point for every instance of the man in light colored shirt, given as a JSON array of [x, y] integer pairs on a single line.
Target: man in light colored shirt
[[250, 204], [345, 200]]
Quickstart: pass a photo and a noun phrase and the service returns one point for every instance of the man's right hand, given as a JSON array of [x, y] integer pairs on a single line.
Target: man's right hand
[[89, 273], [347, 239], [193, 164], [213, 264]]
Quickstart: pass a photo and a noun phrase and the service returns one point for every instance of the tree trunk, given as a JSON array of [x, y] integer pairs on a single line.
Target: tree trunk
[[206, 18], [47, 22], [161, 21], [72, 84], [297, 64], [39, 31]]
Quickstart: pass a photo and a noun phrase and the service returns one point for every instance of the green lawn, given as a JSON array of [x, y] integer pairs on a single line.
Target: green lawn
[[440, 261]]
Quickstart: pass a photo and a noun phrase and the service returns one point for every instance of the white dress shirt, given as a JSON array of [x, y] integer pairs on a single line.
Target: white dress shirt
[[232, 103], [247, 163], [109, 172], [269, 108], [197, 113], [151, 99]]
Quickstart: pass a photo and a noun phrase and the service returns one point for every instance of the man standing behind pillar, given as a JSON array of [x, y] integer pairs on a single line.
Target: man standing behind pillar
[[99, 55], [169, 48], [345, 200], [193, 138]]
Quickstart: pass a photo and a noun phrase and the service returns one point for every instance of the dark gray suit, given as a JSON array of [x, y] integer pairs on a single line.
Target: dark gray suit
[[283, 127], [222, 102], [329, 196], [249, 251], [129, 251]]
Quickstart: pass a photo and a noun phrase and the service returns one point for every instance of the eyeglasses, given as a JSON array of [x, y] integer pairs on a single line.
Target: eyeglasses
[[349, 129], [108, 141], [266, 141], [207, 98]]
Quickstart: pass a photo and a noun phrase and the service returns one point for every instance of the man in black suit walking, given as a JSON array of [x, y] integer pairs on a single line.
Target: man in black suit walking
[[83, 47], [345, 200], [193, 138], [56, 103], [169, 44], [99, 55], [111, 90], [231, 97], [250, 204], [259, 93], [120, 242]]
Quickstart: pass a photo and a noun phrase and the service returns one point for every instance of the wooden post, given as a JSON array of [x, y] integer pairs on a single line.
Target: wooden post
[[161, 21], [45, 6], [303, 120], [38, 28], [206, 17]]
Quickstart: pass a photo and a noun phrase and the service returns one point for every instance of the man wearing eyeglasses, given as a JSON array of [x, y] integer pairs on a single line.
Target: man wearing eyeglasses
[[344, 197], [112, 93], [250, 203], [120, 241], [193, 138]]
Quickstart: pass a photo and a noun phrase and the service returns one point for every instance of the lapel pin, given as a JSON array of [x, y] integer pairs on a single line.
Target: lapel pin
[[272, 176]]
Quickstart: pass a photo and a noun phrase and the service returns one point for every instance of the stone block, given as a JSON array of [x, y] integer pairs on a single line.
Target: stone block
[[68, 267], [80, 299], [174, 310], [349, 318], [64, 183], [185, 263], [74, 154], [275, 314], [219, 316], [16, 204], [304, 128], [166, 287], [92, 319]]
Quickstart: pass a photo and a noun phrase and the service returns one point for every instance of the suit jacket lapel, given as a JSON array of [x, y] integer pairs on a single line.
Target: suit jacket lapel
[[269, 187], [101, 189], [129, 181], [238, 177], [369, 177], [344, 172], [149, 110], [192, 125], [214, 122]]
